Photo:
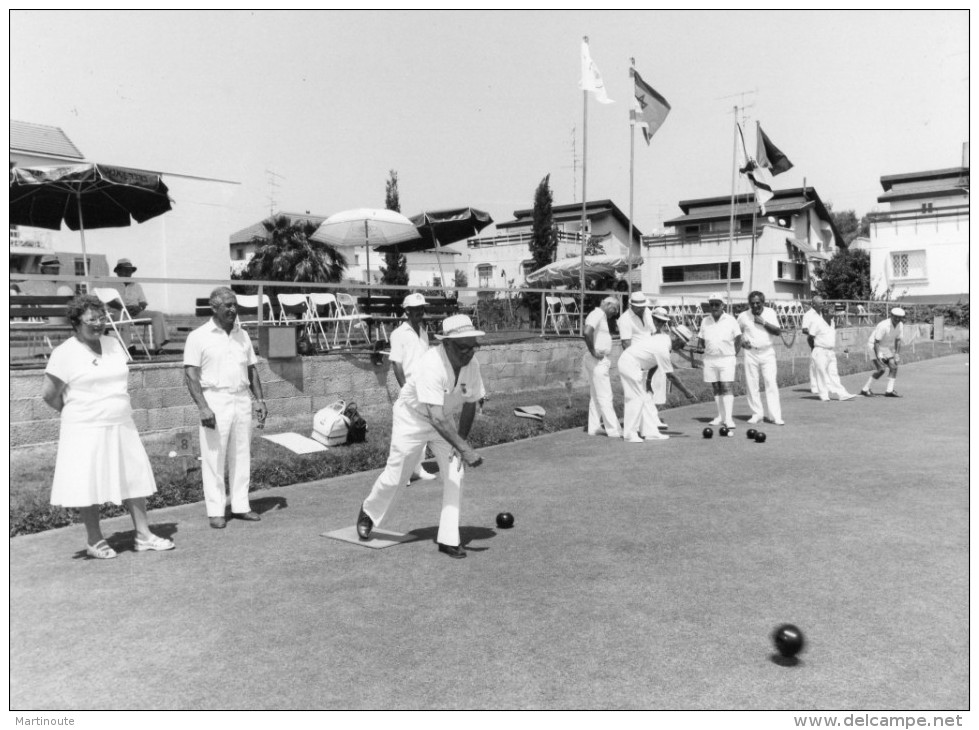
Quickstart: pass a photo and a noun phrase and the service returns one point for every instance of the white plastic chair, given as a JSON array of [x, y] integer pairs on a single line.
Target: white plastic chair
[[347, 313], [555, 315], [120, 317], [570, 307], [248, 304]]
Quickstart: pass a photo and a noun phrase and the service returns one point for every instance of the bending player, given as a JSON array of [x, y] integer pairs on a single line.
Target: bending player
[[885, 349]]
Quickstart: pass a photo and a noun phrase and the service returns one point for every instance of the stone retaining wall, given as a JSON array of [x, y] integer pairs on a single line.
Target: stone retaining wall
[[162, 405]]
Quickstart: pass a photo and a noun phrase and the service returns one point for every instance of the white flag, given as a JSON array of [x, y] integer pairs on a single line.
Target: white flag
[[591, 78]]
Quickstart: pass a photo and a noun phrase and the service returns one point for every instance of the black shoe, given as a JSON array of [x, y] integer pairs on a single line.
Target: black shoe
[[247, 516], [891, 394], [866, 393], [218, 523], [364, 525], [453, 551]]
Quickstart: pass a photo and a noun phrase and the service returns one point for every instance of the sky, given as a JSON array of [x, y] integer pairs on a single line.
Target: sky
[[310, 110]]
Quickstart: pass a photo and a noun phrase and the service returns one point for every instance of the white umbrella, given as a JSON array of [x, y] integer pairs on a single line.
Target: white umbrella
[[568, 271], [365, 227]]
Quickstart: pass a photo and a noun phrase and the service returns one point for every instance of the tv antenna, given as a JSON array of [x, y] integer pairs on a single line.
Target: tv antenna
[[273, 184]]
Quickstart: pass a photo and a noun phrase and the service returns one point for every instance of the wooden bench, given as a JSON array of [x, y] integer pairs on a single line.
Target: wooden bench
[[29, 320]]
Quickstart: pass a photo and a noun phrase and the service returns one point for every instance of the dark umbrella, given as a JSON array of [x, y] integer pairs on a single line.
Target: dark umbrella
[[85, 196], [442, 227]]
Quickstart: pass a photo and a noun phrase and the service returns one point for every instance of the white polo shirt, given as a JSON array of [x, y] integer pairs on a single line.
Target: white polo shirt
[[808, 318], [222, 357], [823, 333], [719, 335], [434, 383], [886, 335], [597, 320], [632, 327], [407, 346], [755, 334]]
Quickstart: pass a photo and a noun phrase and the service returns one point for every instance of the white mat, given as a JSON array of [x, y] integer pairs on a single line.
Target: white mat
[[379, 538], [296, 443]]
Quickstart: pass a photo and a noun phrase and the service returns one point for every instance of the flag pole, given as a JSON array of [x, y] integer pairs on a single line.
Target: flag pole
[[730, 232], [584, 199], [632, 179]]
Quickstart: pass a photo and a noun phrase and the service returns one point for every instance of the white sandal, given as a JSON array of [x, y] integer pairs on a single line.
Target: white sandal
[[100, 550], [154, 543]]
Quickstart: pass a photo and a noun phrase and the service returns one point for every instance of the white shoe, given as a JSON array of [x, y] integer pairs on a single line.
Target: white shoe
[[825, 400], [657, 437], [421, 473], [848, 396], [730, 426], [755, 419], [717, 421], [634, 439], [778, 422], [814, 392]]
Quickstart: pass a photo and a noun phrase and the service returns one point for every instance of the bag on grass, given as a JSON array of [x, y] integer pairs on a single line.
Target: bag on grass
[[356, 425], [330, 426]]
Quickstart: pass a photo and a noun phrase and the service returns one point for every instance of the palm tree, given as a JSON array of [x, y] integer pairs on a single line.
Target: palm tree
[[288, 254]]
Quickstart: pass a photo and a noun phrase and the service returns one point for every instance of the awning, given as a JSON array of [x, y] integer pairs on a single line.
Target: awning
[[807, 249]]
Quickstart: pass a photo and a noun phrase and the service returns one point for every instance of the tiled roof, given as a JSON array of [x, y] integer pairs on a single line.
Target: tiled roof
[[594, 209], [741, 210], [941, 188], [41, 139], [949, 175], [245, 235]]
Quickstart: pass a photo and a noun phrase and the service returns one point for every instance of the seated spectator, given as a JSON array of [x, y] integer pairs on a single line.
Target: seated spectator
[[135, 301], [49, 266]]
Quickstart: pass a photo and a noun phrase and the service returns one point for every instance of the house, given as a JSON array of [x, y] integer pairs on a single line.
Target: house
[[188, 242], [776, 253], [498, 260], [244, 243], [919, 246]]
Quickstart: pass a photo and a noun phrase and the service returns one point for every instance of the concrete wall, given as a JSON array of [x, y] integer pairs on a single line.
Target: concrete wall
[[292, 388]]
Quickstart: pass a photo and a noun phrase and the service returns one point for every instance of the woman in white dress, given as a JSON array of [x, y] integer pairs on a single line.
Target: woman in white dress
[[100, 456]]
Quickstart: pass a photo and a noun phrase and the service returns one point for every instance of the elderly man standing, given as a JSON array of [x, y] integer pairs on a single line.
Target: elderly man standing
[[408, 343], [758, 323], [598, 340], [221, 374], [446, 383], [884, 348], [812, 315], [720, 339], [635, 323], [822, 340], [135, 302]]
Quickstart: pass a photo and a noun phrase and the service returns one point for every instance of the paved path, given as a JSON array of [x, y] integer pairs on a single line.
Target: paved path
[[642, 576]]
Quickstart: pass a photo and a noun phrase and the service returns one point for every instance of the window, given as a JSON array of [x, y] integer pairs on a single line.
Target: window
[[927, 207], [908, 264], [527, 267], [791, 271], [483, 274], [700, 272]]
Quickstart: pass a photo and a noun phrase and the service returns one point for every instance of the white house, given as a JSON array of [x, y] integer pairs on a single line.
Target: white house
[[188, 242], [775, 253], [919, 246], [498, 260]]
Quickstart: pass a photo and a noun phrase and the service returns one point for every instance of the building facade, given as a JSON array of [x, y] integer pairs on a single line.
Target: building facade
[[777, 253], [919, 246]]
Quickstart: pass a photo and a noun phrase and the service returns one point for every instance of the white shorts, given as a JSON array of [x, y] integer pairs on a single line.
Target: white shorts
[[720, 369]]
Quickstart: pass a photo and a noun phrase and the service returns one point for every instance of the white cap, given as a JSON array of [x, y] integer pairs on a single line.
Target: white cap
[[898, 312], [414, 300]]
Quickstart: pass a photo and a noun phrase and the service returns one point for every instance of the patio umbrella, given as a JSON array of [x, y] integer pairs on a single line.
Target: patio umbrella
[[85, 196], [442, 227], [568, 271], [365, 227]]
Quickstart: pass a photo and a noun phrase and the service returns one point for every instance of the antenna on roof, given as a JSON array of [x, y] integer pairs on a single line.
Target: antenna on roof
[[272, 185]]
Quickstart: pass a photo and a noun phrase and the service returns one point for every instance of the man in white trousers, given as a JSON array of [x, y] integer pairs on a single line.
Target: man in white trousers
[[447, 382], [812, 315], [822, 340], [758, 324], [884, 347], [408, 343], [598, 340], [221, 374], [720, 339]]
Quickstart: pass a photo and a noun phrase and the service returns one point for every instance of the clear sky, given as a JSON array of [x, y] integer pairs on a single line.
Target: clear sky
[[474, 108]]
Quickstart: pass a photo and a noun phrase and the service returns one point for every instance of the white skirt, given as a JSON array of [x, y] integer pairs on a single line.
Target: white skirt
[[98, 464]]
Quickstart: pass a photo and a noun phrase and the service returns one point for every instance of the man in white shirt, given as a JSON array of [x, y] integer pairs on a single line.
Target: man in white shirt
[[598, 340], [446, 383], [409, 342], [221, 374], [813, 314], [758, 323], [885, 349], [720, 339], [822, 340], [635, 323]]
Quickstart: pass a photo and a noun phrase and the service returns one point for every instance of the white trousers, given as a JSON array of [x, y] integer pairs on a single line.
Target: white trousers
[[409, 435], [229, 441], [601, 409], [640, 417], [827, 374], [813, 383], [761, 365]]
